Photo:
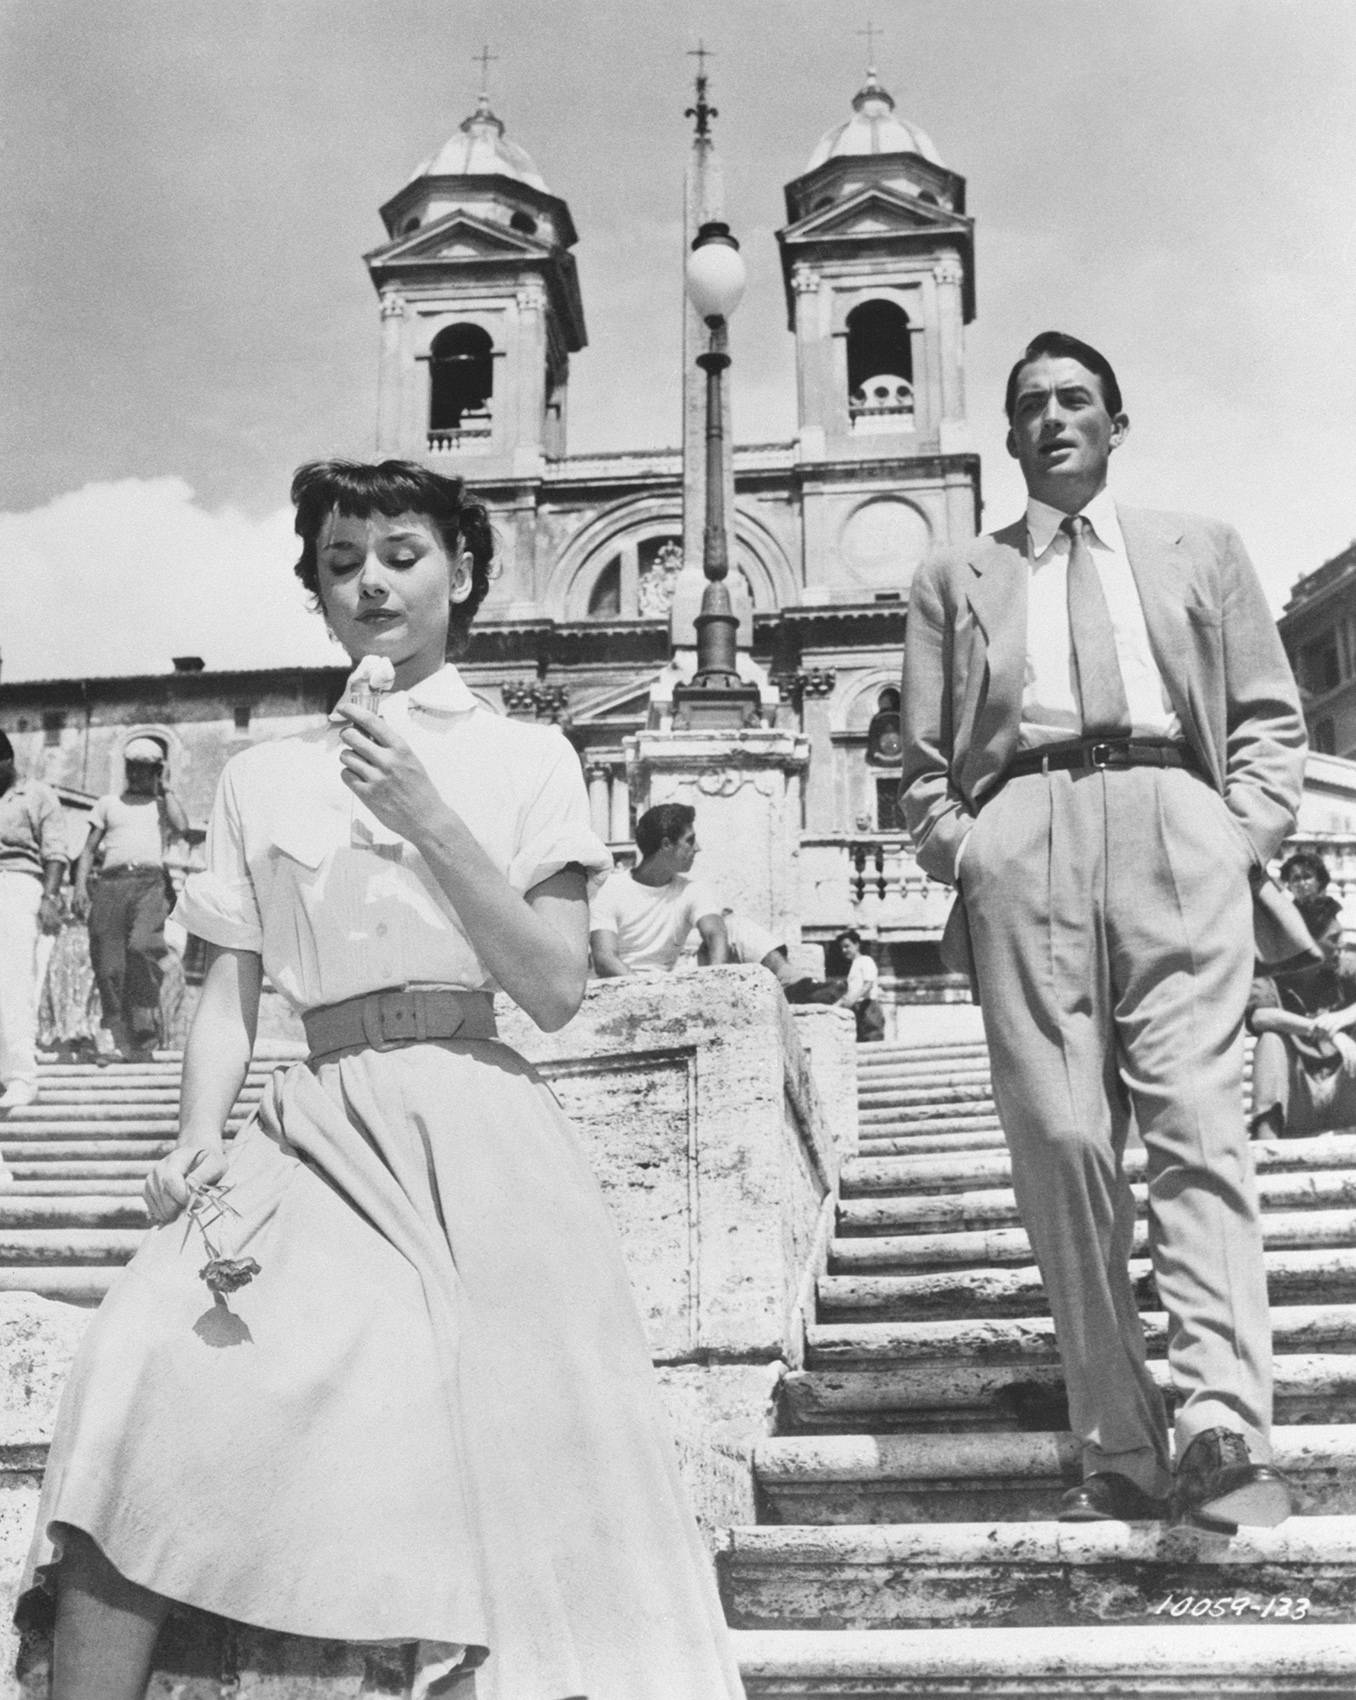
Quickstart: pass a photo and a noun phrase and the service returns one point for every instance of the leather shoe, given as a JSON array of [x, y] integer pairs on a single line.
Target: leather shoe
[[1109, 1497], [1218, 1486]]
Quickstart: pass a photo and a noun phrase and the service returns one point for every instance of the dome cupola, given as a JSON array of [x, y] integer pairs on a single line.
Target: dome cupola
[[873, 128], [480, 149]]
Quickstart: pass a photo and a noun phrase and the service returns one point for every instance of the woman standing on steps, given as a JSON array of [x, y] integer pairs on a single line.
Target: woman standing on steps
[[417, 1404]]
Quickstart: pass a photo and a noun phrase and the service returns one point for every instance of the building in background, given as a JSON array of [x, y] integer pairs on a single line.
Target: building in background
[[481, 314], [1318, 628]]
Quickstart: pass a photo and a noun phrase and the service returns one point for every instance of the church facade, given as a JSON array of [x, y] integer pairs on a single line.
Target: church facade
[[481, 315]]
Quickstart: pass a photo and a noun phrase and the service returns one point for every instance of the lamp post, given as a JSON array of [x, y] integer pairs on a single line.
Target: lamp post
[[716, 698]]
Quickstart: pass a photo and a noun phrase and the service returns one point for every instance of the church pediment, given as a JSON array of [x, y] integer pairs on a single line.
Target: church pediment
[[459, 237], [873, 212]]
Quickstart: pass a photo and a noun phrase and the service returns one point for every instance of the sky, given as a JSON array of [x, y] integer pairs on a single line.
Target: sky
[[189, 188]]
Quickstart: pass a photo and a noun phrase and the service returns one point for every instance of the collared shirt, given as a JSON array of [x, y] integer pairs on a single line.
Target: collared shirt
[[1050, 711], [32, 828], [336, 903]]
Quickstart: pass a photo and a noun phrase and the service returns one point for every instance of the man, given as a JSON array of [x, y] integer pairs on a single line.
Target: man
[[131, 900], [1103, 747], [859, 993], [1304, 1066], [32, 866], [642, 917]]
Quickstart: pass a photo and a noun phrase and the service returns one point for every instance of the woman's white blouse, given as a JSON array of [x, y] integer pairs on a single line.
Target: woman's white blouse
[[336, 903]]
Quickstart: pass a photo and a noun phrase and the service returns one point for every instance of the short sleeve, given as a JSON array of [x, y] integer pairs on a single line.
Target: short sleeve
[[219, 903], [1262, 995], [702, 900], [52, 845], [98, 815], [603, 915], [554, 828]]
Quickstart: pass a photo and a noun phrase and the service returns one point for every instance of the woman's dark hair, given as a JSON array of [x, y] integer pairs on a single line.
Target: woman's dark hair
[[358, 490], [1319, 912], [850, 933], [664, 824], [1062, 346], [1306, 863]]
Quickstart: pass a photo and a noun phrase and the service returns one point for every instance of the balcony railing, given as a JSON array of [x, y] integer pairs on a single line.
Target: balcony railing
[[871, 880]]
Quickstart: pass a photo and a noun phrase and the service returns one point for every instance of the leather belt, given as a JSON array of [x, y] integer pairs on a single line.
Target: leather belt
[[121, 868], [408, 1015], [1101, 754]]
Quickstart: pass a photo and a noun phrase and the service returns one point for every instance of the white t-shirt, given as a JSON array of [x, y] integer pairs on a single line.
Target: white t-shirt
[[651, 921], [747, 940], [133, 831], [861, 979]]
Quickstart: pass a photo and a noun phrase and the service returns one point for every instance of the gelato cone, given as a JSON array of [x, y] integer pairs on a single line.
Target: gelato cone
[[368, 683]]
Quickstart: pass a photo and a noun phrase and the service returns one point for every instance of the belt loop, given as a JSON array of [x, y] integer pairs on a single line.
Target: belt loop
[[373, 1030], [1045, 766], [420, 1002]]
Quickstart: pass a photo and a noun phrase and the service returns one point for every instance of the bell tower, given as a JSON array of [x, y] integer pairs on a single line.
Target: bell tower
[[878, 264], [480, 309]]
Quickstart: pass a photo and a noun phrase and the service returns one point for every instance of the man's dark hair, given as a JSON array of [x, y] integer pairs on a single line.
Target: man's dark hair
[[661, 825], [6, 748], [358, 489], [1307, 862], [1319, 912], [1061, 346]]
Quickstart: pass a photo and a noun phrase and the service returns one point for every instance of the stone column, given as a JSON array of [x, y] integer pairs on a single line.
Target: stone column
[[620, 827], [599, 799], [746, 788], [389, 372]]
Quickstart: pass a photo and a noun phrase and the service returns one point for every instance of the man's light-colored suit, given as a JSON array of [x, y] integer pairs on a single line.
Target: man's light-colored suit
[[1110, 917]]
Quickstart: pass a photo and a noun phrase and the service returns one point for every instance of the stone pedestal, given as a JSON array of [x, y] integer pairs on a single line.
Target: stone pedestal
[[746, 787]]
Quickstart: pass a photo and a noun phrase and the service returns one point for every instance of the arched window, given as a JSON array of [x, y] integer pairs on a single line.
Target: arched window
[[461, 382], [525, 222], [880, 367], [605, 597]]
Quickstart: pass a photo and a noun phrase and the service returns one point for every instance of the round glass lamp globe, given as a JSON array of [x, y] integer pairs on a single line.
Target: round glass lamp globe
[[715, 278]]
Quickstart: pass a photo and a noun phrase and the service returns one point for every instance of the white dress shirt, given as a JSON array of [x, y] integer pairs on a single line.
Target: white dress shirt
[[1049, 700], [336, 903]]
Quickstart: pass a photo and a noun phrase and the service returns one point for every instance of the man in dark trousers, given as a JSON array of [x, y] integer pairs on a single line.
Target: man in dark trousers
[[131, 900], [1103, 747]]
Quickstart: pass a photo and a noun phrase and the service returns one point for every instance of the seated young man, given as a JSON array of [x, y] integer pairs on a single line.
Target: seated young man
[[641, 918], [1304, 1067]]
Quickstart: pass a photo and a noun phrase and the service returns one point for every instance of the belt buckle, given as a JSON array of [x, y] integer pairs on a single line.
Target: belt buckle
[[388, 1019], [1099, 755]]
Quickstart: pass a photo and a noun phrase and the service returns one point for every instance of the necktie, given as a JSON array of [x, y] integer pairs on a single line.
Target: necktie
[[1097, 672]]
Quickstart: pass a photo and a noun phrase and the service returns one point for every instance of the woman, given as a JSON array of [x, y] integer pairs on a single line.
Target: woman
[[418, 1404]]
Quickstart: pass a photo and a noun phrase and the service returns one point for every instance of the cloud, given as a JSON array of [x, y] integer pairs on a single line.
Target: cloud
[[119, 577]]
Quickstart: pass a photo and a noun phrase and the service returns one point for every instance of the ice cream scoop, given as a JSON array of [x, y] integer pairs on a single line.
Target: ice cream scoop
[[369, 682]]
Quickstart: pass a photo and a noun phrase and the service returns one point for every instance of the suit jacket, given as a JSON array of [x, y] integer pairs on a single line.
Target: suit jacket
[[1212, 636]]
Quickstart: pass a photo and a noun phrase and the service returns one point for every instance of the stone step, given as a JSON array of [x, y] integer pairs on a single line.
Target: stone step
[[1292, 1229], [907, 1576], [30, 1155], [13, 1135], [913, 1346], [893, 1119], [1242, 1656], [1293, 1277], [45, 1186], [68, 1246], [926, 1478], [90, 1171], [971, 1393], [933, 1174], [85, 1285], [90, 1210], [925, 1089], [992, 1207], [929, 1140]]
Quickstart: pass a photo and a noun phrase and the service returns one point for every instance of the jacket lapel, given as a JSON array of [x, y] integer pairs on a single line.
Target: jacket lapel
[[1166, 577], [996, 592]]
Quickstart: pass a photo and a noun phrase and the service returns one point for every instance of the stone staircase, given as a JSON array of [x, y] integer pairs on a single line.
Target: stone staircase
[[72, 1215], [906, 1545]]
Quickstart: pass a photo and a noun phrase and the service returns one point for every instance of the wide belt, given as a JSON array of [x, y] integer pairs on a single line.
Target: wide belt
[[120, 869], [407, 1015], [1101, 754]]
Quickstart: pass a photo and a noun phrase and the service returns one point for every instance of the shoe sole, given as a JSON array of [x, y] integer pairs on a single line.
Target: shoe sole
[[1261, 1504]]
